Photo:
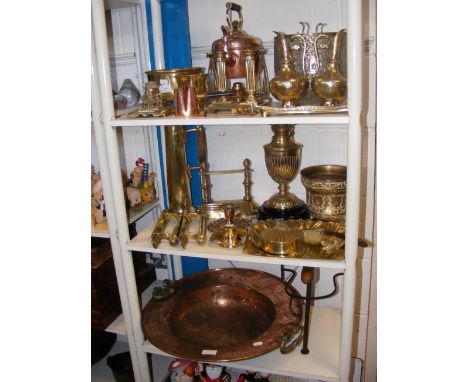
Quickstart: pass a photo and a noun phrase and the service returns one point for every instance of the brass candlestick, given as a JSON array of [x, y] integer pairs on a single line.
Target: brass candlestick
[[283, 160]]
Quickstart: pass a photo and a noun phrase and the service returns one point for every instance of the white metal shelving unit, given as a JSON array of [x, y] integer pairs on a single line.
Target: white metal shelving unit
[[331, 329]]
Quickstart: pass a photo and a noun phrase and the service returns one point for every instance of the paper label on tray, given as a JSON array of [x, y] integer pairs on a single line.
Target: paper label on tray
[[209, 352], [165, 86]]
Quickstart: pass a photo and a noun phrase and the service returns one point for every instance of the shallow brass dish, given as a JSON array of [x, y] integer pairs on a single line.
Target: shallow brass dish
[[330, 247], [222, 315]]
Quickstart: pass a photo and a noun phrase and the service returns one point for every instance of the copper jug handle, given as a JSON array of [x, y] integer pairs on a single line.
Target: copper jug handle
[[230, 7]]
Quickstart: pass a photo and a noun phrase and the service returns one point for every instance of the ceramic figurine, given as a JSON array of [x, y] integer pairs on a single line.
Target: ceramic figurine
[[148, 194], [136, 176], [97, 203], [182, 370], [213, 373], [133, 196]]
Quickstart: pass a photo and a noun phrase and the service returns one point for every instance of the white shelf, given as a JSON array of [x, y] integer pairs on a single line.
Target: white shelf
[[118, 326], [142, 243], [318, 119], [116, 4], [102, 229], [321, 363]]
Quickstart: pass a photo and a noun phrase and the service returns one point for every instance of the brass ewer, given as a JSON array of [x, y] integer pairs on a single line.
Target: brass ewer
[[288, 86], [283, 160], [331, 86]]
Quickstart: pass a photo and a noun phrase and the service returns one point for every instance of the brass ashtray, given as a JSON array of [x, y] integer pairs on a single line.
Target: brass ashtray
[[310, 239]]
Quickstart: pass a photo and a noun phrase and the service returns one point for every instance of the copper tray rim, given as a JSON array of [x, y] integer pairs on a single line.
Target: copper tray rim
[[231, 353]]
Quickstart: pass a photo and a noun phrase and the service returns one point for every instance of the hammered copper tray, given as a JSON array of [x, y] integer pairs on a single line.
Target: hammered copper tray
[[222, 315]]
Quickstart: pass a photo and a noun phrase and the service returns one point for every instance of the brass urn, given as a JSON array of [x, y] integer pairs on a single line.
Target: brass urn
[[331, 86], [283, 160], [288, 86]]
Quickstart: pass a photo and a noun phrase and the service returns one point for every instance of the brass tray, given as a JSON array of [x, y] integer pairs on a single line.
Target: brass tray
[[330, 247], [300, 110], [222, 315]]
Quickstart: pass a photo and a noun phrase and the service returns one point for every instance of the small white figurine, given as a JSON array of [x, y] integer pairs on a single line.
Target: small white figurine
[[133, 196]]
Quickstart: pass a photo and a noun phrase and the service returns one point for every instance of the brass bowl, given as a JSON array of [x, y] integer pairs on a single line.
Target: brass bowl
[[326, 191], [222, 315], [167, 80], [281, 240]]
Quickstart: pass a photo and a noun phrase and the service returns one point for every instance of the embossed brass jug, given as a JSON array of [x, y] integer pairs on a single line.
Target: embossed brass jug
[[331, 86], [288, 85]]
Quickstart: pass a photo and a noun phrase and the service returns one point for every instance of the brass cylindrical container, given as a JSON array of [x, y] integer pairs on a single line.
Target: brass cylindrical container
[[283, 160], [326, 191], [167, 80], [178, 182]]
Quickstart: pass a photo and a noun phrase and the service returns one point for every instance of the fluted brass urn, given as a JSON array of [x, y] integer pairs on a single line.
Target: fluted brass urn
[[283, 160]]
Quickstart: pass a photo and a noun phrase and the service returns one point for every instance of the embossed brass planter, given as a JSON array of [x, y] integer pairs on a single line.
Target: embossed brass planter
[[283, 159], [222, 315], [326, 191]]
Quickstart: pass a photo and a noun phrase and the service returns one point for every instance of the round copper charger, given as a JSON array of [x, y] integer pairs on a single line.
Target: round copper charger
[[222, 315]]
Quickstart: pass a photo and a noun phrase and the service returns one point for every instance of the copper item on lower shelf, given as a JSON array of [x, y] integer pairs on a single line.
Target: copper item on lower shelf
[[222, 315]]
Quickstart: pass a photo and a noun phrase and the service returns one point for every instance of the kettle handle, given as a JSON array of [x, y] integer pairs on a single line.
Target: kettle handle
[[230, 7]]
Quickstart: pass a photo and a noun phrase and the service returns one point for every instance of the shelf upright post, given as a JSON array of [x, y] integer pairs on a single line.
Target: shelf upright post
[[354, 58], [119, 233]]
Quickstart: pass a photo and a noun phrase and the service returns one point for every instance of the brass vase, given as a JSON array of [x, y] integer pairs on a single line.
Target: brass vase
[[331, 86], [288, 86], [283, 160]]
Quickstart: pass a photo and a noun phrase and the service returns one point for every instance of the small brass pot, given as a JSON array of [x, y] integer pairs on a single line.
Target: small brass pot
[[326, 191], [167, 80]]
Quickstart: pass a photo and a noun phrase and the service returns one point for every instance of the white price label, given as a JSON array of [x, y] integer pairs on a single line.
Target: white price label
[[165, 86]]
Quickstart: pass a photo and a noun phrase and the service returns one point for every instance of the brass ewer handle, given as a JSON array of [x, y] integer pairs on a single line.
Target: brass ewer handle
[[236, 8]]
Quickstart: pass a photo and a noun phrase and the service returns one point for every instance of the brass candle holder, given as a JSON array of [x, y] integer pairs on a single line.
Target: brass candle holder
[[283, 160]]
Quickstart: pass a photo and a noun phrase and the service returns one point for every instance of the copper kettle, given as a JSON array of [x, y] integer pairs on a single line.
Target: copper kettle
[[234, 42]]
